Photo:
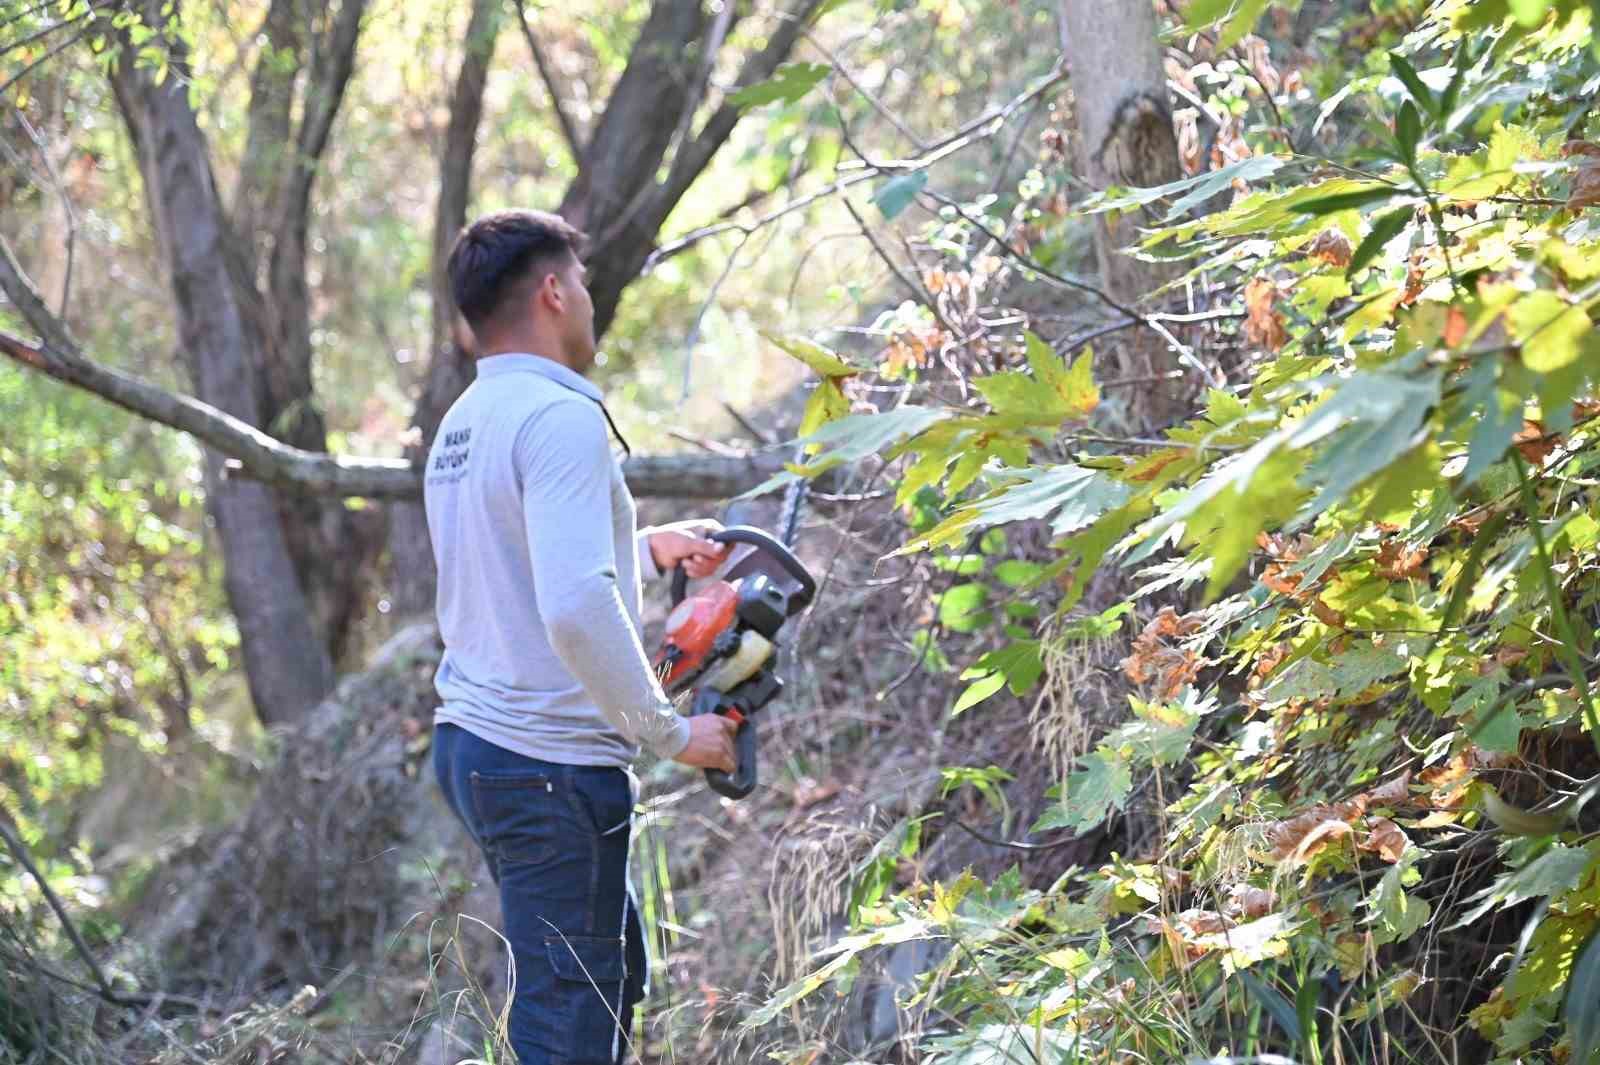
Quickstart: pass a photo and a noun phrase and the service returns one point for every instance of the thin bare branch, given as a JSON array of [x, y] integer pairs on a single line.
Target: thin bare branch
[[51, 54], [569, 128], [843, 70]]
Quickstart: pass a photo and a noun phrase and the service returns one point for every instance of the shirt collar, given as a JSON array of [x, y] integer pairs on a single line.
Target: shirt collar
[[494, 365]]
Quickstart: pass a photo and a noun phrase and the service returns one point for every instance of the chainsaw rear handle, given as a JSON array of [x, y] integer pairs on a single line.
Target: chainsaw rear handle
[[742, 781], [762, 541]]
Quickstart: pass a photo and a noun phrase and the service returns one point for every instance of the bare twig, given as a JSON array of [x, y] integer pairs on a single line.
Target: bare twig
[[569, 128], [51, 54], [67, 207], [102, 985], [878, 105], [744, 423], [983, 126]]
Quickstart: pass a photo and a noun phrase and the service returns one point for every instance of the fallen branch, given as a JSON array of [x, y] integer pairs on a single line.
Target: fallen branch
[[255, 454]]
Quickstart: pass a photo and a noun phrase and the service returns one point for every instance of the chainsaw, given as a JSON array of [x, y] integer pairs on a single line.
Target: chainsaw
[[720, 642]]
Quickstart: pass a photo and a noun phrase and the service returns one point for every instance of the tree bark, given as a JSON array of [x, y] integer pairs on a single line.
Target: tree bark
[[288, 665], [412, 574], [616, 196], [1125, 137]]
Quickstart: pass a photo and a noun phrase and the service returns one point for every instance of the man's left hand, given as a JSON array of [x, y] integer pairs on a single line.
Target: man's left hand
[[685, 543]]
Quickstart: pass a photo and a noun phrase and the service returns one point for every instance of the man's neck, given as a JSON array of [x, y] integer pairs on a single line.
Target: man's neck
[[528, 346]]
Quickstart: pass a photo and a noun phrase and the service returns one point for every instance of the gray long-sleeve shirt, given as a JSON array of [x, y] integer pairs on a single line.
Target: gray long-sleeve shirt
[[540, 564]]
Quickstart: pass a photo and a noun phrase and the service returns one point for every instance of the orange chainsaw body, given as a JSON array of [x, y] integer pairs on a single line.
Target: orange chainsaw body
[[692, 627]]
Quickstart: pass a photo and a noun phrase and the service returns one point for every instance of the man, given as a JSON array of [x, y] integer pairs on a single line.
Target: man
[[546, 690]]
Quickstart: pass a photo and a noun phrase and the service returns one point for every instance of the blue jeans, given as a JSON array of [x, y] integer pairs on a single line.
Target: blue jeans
[[556, 841]]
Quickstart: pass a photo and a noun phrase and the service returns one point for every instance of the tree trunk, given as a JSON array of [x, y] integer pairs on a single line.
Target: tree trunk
[[286, 661], [616, 197], [412, 574], [1125, 137]]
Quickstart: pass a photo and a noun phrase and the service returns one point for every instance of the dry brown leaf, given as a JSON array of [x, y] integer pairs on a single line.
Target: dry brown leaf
[[1385, 838], [1455, 327], [1332, 247], [1534, 443], [809, 792], [1302, 836], [1203, 922], [1263, 326], [1275, 578], [1149, 468], [1396, 792], [1585, 188], [1326, 614], [1416, 270], [1399, 562], [1249, 902]]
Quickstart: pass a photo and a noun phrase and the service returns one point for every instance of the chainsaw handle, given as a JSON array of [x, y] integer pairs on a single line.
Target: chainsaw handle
[[742, 781], [761, 541]]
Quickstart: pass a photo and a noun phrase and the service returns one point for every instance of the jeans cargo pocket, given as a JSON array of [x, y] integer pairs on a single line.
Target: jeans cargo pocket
[[589, 973], [520, 817]]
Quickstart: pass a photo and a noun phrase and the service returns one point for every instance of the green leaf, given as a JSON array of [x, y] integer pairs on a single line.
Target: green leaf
[[1018, 663], [1530, 13], [1581, 1004], [1017, 573], [961, 609], [1240, 16], [1550, 329], [1072, 391], [1408, 77], [1554, 872], [1365, 193], [1194, 190], [900, 192], [1395, 915], [1408, 131], [789, 84], [1447, 102], [1101, 785], [1369, 422], [854, 437], [978, 691], [1075, 494], [1273, 1001], [1384, 229]]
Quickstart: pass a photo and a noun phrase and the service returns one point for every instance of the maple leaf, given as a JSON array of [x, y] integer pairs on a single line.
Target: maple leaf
[[1263, 326], [1332, 247]]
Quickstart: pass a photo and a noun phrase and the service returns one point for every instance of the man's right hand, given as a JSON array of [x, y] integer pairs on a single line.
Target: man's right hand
[[710, 743]]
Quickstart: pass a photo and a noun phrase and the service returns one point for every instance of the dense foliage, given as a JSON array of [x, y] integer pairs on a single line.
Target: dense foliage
[[1363, 717]]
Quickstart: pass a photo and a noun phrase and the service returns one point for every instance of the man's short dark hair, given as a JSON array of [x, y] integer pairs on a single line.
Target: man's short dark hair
[[496, 254]]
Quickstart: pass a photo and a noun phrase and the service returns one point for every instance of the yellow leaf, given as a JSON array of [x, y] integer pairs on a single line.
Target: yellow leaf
[[814, 355], [1549, 328], [826, 404]]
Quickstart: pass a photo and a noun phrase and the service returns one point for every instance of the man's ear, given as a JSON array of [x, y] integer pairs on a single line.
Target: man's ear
[[550, 293]]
